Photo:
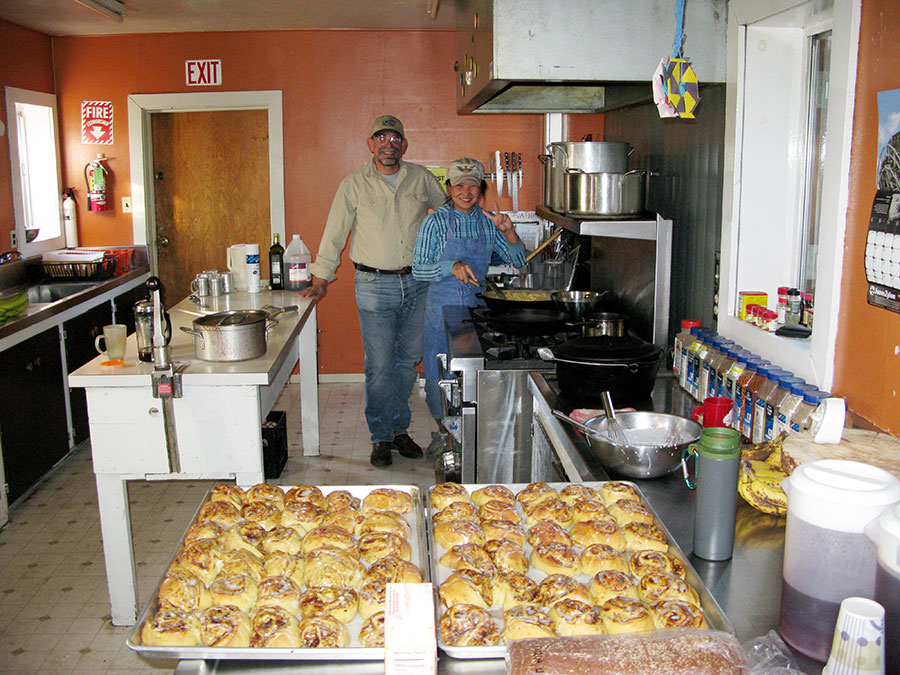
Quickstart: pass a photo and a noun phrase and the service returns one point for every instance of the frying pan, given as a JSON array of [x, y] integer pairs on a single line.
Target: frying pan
[[517, 298], [522, 321]]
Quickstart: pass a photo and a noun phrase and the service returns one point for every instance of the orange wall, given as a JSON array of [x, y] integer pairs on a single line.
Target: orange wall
[[26, 62], [867, 369], [334, 84]]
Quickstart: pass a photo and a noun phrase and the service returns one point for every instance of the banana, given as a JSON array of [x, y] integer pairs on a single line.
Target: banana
[[760, 486], [13, 305]]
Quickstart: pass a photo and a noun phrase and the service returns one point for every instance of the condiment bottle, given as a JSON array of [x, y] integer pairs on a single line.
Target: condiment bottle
[[782, 391], [740, 362], [684, 366], [792, 316], [706, 358], [750, 389], [722, 367], [680, 349], [766, 388], [276, 264], [781, 307], [811, 401], [789, 405], [737, 417], [693, 370]]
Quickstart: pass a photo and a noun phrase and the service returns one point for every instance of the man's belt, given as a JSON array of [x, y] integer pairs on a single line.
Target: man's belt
[[375, 270]]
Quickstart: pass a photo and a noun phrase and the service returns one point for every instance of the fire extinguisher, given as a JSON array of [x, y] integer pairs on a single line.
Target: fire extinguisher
[[69, 220], [95, 178]]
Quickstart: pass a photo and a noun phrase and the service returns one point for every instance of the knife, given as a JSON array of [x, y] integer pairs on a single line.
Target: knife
[[499, 173], [520, 169], [508, 174]]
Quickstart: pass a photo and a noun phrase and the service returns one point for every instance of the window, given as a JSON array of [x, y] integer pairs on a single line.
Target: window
[[34, 159]]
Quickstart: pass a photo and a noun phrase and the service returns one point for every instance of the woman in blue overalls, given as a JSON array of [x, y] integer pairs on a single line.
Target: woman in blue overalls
[[453, 250]]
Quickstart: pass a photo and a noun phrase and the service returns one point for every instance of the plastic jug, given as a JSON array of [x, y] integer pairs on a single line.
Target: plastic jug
[[236, 256], [296, 264], [827, 556], [885, 532]]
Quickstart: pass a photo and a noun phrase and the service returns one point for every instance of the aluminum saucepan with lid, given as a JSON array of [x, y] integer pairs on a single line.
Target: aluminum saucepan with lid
[[235, 335]]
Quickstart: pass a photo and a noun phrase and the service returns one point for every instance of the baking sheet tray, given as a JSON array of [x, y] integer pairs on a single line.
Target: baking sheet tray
[[354, 651], [715, 617]]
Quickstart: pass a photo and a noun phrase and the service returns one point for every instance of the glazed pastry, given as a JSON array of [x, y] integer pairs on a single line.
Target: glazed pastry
[[171, 628], [203, 559], [456, 511], [305, 493], [534, 493], [263, 492], [281, 538], [454, 532], [341, 499], [590, 509], [387, 499], [616, 490], [677, 614], [631, 511], [266, 514], [227, 493], [333, 567], [512, 588], [598, 557], [539, 626], [224, 626], [468, 626], [557, 587], [245, 536], [323, 632], [646, 561], [554, 558], [577, 492], [371, 597], [501, 529], [639, 536], [280, 564], [274, 627], [526, 611], [182, 590], [495, 509], [610, 583], [548, 532], [589, 532], [385, 521], [507, 556], [302, 516], [655, 587], [242, 562], [341, 603], [444, 494], [372, 632], [573, 617], [468, 557], [278, 592], [493, 492], [224, 513], [237, 590], [377, 545], [466, 587], [394, 570], [555, 510], [208, 529], [346, 518], [625, 615], [327, 535]]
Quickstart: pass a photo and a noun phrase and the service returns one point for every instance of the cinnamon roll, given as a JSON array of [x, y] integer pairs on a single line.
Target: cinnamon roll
[[507, 556], [182, 590], [341, 499], [263, 492], [454, 532], [495, 509], [512, 588], [677, 614], [281, 538], [538, 626], [341, 603], [501, 529], [554, 558], [466, 587], [372, 632], [203, 559], [245, 536], [280, 564], [371, 597], [468, 626], [327, 535], [557, 587], [655, 587], [323, 632], [265, 514], [646, 561], [385, 521], [527, 611], [631, 511], [577, 492], [333, 567], [589, 532], [444, 494], [573, 617], [616, 490], [535, 493], [456, 511], [208, 529], [302, 516], [224, 626], [242, 562], [590, 509], [598, 557], [548, 532], [224, 513], [549, 509], [227, 493], [387, 499], [639, 536], [171, 628], [468, 557], [278, 592], [274, 627], [238, 590], [346, 518], [493, 493], [374, 546], [394, 570], [611, 583], [305, 493], [625, 615]]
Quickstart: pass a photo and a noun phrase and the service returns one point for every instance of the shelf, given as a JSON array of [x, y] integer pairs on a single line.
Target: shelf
[[643, 226]]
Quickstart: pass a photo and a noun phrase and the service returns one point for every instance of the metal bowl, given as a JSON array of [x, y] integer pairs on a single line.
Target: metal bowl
[[654, 443], [577, 303]]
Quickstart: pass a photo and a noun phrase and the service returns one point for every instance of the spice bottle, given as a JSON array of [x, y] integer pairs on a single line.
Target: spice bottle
[[782, 391], [720, 368], [792, 316], [750, 389], [707, 357], [740, 362], [787, 407], [801, 417], [737, 417], [766, 388], [679, 349], [693, 367], [781, 307]]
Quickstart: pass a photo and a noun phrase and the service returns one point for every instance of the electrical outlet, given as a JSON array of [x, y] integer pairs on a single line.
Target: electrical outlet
[[126, 204], [13, 240]]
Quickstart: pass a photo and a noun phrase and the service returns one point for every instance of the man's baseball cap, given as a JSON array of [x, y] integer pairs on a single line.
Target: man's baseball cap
[[387, 123], [465, 169]]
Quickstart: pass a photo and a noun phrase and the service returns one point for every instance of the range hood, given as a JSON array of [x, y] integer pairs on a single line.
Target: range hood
[[565, 56]]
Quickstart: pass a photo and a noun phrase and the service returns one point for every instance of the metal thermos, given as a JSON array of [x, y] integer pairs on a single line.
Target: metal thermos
[[718, 456]]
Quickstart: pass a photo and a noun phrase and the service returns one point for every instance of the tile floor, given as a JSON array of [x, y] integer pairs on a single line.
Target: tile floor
[[54, 606]]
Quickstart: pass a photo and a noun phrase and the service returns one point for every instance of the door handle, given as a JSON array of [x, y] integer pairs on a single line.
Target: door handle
[[162, 242]]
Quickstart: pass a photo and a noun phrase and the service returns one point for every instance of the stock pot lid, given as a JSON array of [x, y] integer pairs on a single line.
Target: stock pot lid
[[238, 317], [607, 348]]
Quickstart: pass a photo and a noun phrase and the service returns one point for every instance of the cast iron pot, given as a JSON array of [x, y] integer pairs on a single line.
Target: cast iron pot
[[524, 321], [626, 367], [236, 335]]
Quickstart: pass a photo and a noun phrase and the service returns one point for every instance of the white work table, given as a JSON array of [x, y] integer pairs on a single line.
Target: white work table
[[218, 419]]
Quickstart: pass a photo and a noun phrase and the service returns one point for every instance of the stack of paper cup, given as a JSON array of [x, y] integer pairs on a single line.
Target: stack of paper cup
[[858, 645]]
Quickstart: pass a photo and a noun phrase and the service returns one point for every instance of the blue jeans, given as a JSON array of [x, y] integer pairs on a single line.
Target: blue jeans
[[391, 318]]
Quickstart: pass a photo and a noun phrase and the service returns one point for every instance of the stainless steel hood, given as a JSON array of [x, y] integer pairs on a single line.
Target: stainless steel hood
[[541, 56]]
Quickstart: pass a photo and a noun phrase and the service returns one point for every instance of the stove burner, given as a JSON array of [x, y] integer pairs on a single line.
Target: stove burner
[[503, 347]]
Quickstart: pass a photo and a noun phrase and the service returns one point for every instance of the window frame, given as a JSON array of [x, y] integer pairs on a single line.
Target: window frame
[[14, 96]]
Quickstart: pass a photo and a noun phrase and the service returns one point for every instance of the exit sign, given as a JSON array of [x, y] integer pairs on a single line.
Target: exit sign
[[203, 73]]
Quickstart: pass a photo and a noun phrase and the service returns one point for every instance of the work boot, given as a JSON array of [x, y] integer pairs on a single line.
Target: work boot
[[407, 447], [381, 453]]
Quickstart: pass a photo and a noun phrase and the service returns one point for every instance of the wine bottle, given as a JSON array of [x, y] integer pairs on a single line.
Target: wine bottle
[[276, 265]]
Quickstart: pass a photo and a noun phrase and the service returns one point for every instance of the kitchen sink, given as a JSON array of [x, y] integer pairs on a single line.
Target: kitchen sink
[[44, 293]]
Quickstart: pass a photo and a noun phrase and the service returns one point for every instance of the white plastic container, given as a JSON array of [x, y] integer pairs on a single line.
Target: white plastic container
[[885, 532], [827, 556], [296, 263]]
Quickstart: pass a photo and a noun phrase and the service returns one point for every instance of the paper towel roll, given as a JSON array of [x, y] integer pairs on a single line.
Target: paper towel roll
[[827, 421]]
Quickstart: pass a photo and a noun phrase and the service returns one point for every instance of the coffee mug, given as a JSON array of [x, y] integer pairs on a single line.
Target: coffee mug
[[715, 411], [114, 337]]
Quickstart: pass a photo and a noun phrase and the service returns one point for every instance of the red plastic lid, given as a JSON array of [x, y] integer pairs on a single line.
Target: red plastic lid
[[687, 324], [782, 290]]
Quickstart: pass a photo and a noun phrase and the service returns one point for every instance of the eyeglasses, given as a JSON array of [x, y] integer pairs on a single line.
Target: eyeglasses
[[393, 139]]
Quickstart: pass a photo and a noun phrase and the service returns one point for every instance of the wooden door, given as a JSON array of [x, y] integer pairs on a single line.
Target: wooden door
[[211, 182]]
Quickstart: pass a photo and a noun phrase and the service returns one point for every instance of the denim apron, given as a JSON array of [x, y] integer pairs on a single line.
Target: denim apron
[[476, 253]]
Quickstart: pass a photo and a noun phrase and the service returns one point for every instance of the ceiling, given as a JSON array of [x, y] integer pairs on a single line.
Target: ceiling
[[67, 17]]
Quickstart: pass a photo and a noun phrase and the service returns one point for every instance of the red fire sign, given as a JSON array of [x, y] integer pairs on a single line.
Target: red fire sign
[[203, 73], [97, 122]]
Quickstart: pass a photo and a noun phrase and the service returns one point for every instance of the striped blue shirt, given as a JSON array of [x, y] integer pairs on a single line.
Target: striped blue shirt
[[427, 263]]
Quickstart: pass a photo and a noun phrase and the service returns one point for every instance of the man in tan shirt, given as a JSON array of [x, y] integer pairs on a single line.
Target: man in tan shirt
[[383, 204]]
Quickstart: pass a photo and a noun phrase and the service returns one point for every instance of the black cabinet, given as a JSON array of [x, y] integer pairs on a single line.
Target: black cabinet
[[80, 334], [33, 429]]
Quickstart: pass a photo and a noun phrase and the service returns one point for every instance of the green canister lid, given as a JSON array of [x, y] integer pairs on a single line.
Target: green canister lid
[[719, 443]]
